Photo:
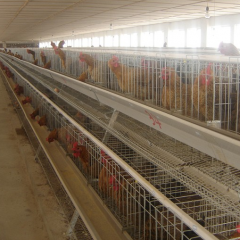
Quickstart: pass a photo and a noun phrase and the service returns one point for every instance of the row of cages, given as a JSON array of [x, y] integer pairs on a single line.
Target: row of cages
[[139, 212], [131, 131], [79, 229], [205, 90]]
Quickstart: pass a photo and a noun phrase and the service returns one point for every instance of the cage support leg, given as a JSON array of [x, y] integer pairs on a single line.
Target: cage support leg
[[70, 232], [110, 125]]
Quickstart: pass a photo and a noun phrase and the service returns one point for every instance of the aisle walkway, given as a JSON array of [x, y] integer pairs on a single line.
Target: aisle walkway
[[28, 208]]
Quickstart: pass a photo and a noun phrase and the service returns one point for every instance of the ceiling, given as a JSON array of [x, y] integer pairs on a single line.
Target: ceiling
[[34, 20]]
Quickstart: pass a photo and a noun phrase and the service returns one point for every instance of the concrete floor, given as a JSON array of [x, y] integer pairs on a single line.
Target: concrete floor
[[28, 207]]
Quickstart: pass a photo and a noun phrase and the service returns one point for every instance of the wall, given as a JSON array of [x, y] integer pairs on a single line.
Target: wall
[[203, 24]]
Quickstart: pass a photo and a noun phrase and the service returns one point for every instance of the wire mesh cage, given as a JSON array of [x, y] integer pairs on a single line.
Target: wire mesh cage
[[203, 89], [174, 169]]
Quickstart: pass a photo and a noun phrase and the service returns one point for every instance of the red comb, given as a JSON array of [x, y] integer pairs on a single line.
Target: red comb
[[102, 153], [75, 145], [238, 228], [112, 179], [205, 79], [209, 67], [164, 71], [104, 157], [165, 74], [81, 57], [143, 62]]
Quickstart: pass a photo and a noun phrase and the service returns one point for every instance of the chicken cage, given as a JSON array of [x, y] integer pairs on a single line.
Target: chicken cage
[[182, 177], [200, 87]]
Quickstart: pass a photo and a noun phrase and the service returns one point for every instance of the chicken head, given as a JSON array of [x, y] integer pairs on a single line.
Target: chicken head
[[206, 75], [53, 135], [114, 61], [82, 57], [165, 74], [76, 149]]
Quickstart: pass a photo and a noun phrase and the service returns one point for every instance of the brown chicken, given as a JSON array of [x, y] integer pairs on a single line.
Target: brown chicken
[[35, 62], [61, 43], [8, 72], [63, 136], [32, 53], [123, 185], [47, 65], [43, 58], [175, 94], [127, 77], [54, 46], [10, 53], [81, 118], [59, 134], [18, 56], [34, 113], [106, 174], [2, 66], [18, 89], [53, 135], [62, 56], [236, 234], [43, 121], [83, 77], [96, 69], [168, 226], [27, 100], [131, 79], [60, 53], [82, 153], [206, 94]]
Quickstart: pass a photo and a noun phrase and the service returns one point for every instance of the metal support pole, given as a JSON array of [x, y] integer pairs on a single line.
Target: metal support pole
[[70, 232], [37, 153], [110, 125]]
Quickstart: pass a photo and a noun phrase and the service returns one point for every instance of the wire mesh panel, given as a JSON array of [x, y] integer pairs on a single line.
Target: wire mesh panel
[[206, 90], [79, 230], [180, 175]]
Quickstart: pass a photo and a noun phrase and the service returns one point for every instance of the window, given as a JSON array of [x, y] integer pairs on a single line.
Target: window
[[77, 42], [86, 42], [146, 39], [108, 41], [45, 44], [95, 41], [134, 40], [115, 41], [237, 35], [176, 38], [217, 34], [125, 40], [158, 39], [69, 43], [193, 37], [100, 41]]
